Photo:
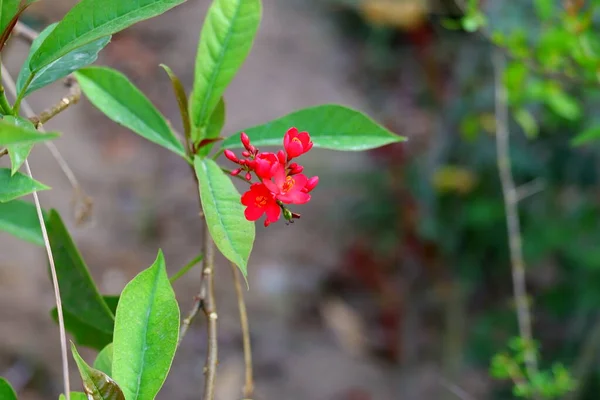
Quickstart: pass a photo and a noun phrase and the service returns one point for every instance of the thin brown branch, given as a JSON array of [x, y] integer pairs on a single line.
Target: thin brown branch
[[512, 216], [72, 98], [248, 389], [457, 391], [199, 298], [3, 152], [210, 311], [9, 82]]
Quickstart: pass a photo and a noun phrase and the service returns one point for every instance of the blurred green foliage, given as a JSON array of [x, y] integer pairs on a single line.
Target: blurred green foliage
[[443, 186]]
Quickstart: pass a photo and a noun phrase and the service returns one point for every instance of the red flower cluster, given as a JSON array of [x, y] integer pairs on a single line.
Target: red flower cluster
[[280, 180]]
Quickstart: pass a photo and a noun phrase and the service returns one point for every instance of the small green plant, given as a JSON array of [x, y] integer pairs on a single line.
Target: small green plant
[[138, 332], [550, 384]]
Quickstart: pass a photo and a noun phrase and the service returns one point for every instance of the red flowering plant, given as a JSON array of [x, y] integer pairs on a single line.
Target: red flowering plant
[[280, 181], [146, 312]]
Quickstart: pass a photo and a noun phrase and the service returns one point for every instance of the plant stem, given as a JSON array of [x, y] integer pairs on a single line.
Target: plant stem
[[248, 389], [21, 94], [199, 298], [210, 311], [61, 321], [184, 270], [512, 215]]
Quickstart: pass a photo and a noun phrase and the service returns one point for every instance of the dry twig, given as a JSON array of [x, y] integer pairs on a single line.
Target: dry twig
[[512, 216], [248, 389]]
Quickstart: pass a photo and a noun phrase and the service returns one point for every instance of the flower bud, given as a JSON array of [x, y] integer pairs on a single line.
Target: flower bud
[[287, 214], [236, 172], [245, 140], [281, 156], [248, 176], [245, 153], [231, 156], [295, 169]]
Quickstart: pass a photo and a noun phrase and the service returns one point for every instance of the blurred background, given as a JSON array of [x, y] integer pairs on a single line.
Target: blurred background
[[396, 282]]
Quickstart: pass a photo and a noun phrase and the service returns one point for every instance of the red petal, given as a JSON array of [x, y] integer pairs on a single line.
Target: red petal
[[296, 197], [252, 213], [273, 212]]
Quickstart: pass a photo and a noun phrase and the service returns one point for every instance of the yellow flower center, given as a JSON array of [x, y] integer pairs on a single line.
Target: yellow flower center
[[288, 184], [261, 201]]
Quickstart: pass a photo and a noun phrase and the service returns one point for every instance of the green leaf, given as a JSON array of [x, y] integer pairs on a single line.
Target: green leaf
[[58, 68], [544, 8], [330, 126], [104, 360], [113, 94], [225, 41], [97, 385], [90, 20], [146, 333], [181, 97], [84, 333], [80, 296], [20, 219], [527, 123], [232, 233], [214, 127], [11, 134], [586, 136], [8, 9], [18, 153], [6, 391], [562, 104], [17, 185], [74, 396]]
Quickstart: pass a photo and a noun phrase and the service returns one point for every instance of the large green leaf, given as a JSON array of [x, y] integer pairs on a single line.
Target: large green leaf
[[17, 185], [224, 213], [225, 41], [104, 360], [83, 331], [146, 333], [214, 127], [330, 126], [20, 219], [90, 20], [97, 385], [79, 295], [18, 153], [11, 134], [113, 94], [6, 391], [8, 9], [58, 68]]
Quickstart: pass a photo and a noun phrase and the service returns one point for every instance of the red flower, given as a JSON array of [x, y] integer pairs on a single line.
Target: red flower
[[258, 201], [296, 143], [264, 165], [287, 189]]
